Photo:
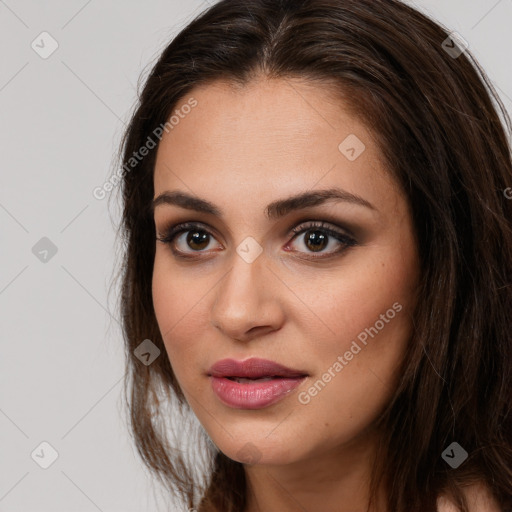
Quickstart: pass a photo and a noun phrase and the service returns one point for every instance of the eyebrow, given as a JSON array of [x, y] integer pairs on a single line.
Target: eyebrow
[[274, 210]]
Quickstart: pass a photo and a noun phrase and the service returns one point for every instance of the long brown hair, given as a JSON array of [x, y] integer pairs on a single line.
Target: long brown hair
[[440, 126]]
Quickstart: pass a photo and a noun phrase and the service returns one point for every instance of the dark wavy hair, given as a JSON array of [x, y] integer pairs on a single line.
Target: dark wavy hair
[[436, 120]]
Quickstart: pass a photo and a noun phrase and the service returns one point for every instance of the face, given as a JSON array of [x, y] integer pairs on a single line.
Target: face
[[324, 286]]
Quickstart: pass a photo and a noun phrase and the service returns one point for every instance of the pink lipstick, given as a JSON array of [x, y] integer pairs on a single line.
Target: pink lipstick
[[253, 383]]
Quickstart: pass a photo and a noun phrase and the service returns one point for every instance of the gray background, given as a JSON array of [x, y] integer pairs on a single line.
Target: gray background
[[62, 117]]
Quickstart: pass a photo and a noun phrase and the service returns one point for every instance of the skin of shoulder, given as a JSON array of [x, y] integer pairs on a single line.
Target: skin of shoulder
[[479, 499]]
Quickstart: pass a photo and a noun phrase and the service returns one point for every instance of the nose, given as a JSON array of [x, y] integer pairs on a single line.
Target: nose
[[247, 301]]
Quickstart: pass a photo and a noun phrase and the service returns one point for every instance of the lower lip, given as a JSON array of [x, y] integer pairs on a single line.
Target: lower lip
[[253, 395]]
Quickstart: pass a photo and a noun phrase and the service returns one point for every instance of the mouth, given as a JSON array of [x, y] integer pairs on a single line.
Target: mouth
[[253, 369], [243, 380], [254, 383]]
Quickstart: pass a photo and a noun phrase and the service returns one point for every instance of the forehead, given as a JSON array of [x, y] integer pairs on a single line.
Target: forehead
[[272, 112], [270, 135]]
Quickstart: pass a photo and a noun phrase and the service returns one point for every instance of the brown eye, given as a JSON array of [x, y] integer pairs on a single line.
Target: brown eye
[[318, 236], [197, 240], [316, 240]]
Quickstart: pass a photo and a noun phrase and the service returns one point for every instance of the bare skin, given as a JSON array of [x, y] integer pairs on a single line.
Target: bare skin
[[479, 499], [242, 149]]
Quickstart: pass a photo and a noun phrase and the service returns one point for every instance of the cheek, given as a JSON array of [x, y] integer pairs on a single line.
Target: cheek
[[368, 311], [366, 338], [174, 294], [353, 299], [356, 372], [179, 302], [365, 314]]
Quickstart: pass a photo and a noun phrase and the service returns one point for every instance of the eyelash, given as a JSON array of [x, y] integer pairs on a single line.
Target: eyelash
[[172, 232]]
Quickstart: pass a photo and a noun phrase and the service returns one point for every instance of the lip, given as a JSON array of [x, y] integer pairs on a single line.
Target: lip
[[253, 395], [252, 368]]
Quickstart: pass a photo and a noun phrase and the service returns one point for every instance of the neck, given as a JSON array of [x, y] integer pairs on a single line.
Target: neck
[[333, 480]]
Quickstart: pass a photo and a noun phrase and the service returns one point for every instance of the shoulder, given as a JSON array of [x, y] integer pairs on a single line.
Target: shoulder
[[479, 499]]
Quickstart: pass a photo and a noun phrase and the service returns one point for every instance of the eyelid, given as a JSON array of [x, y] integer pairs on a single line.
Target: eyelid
[[171, 229], [342, 236], [321, 225]]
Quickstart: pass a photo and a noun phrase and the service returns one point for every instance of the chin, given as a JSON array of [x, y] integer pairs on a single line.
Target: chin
[[259, 452]]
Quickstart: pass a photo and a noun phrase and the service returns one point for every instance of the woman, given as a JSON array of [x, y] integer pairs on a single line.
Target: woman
[[319, 245]]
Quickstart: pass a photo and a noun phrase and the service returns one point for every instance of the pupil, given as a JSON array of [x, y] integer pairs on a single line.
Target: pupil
[[317, 239], [198, 237]]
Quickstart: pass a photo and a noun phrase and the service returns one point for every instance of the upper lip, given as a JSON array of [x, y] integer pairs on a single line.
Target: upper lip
[[253, 368]]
